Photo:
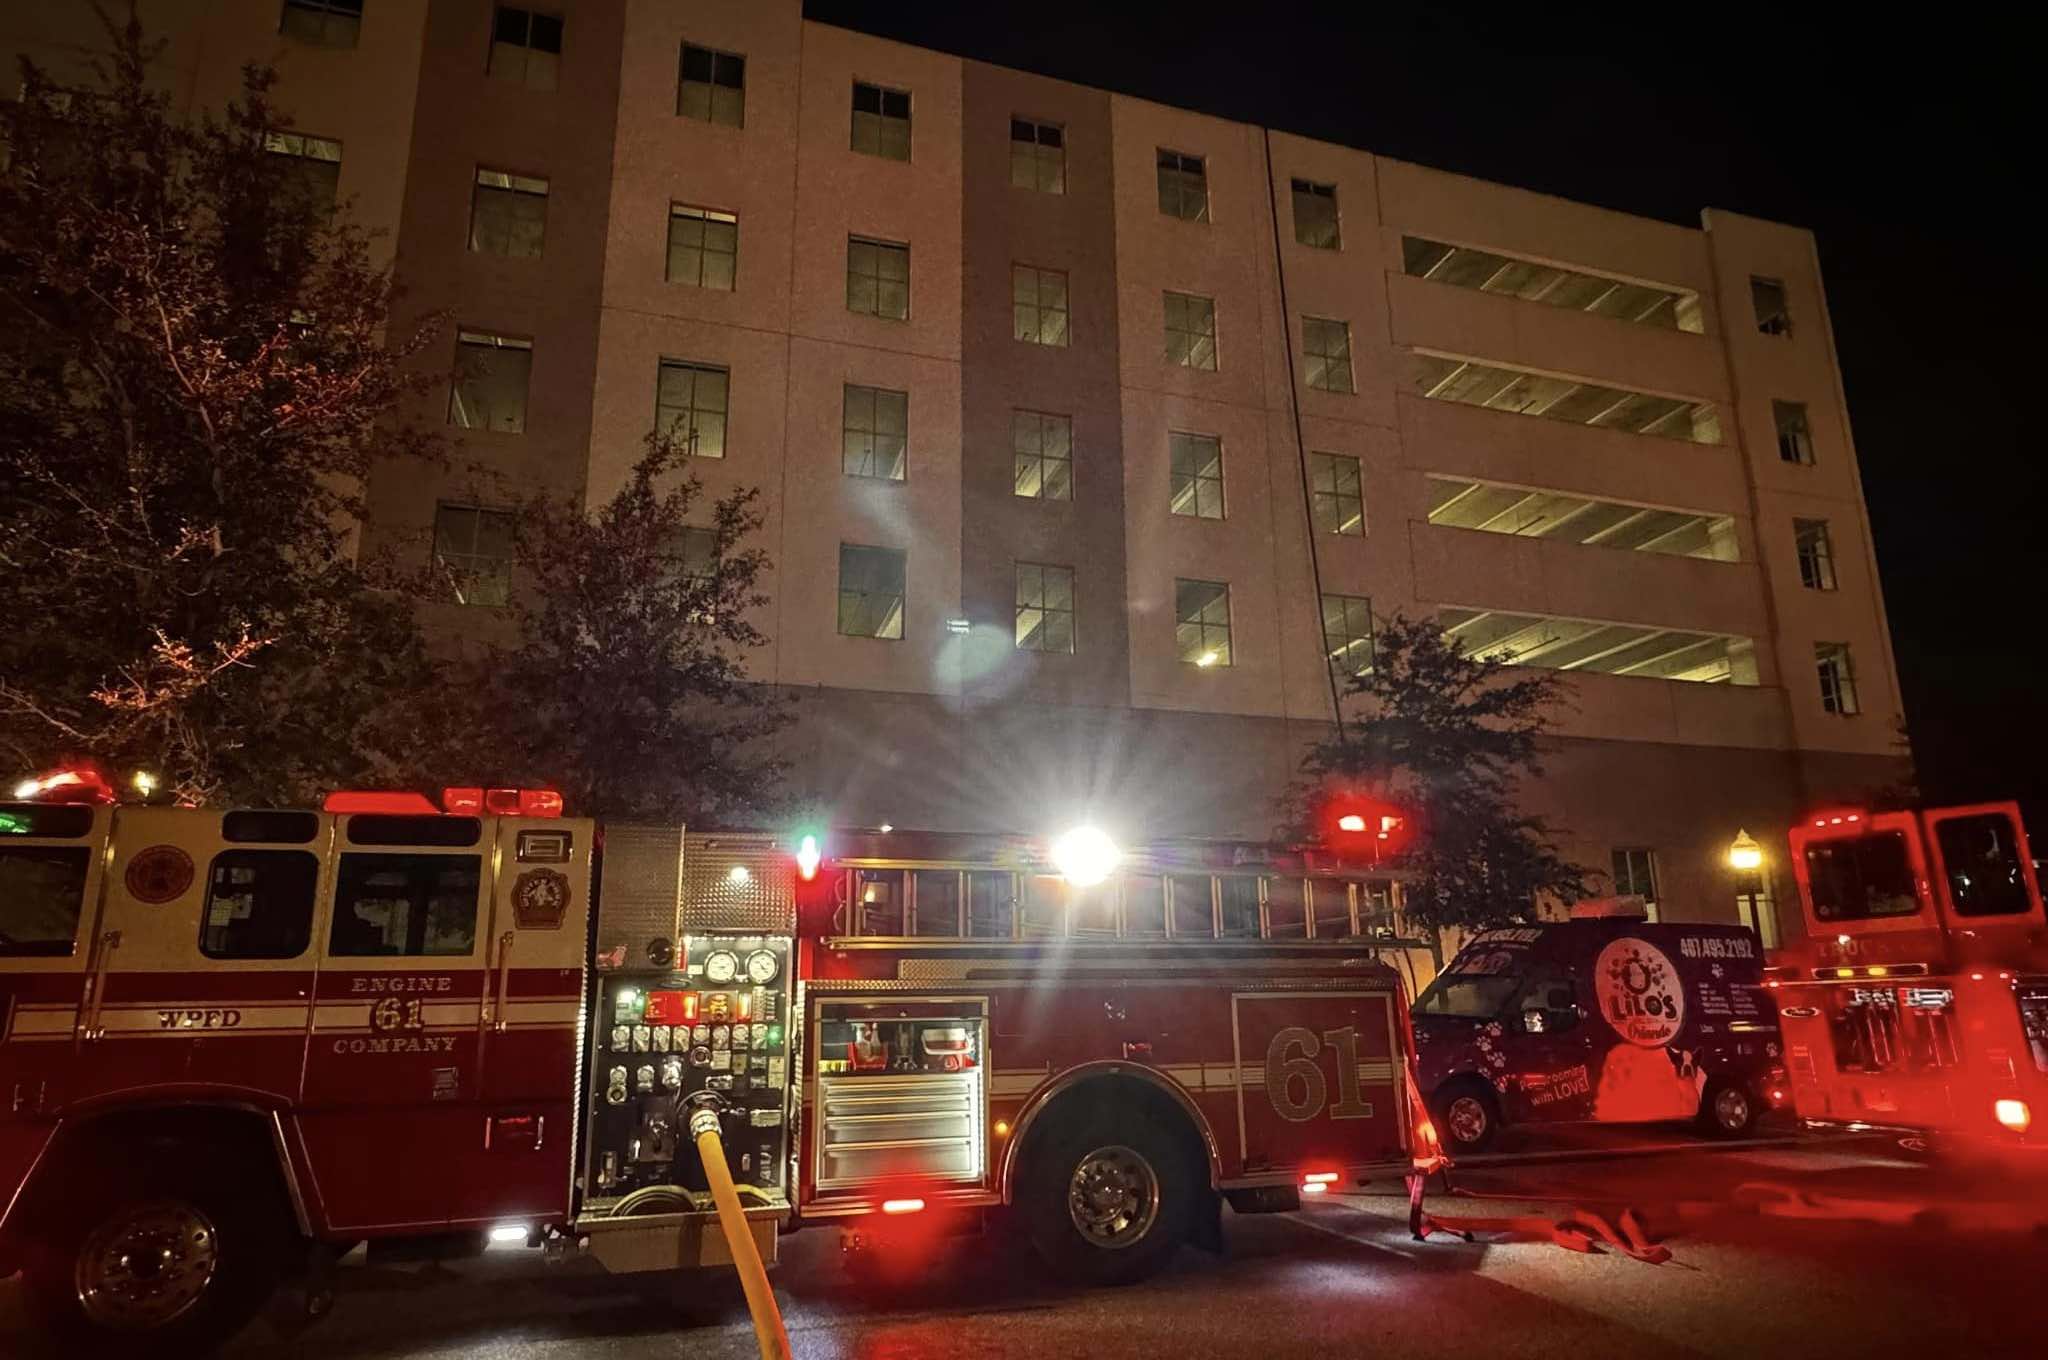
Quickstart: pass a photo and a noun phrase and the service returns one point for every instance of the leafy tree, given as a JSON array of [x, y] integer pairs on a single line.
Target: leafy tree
[[196, 371], [626, 687], [1449, 737]]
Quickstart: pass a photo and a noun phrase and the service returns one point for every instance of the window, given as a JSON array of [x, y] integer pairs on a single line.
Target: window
[[881, 122], [1635, 875], [1858, 878], [712, 86], [1442, 377], [404, 905], [1043, 447], [1044, 908], [322, 23], [473, 553], [1564, 517], [1837, 678], [1039, 304], [703, 247], [1315, 215], [1191, 331], [1795, 439], [1038, 156], [508, 214], [877, 278], [1767, 299], [696, 553], [1328, 347], [870, 591], [311, 165], [1982, 857], [1755, 909], [259, 904], [526, 47], [1045, 608], [1647, 650], [1183, 186], [1348, 633], [42, 892], [1816, 554], [491, 374], [1144, 907], [690, 406], [877, 433], [1195, 475], [878, 893], [1639, 304], [1201, 614], [1337, 492]]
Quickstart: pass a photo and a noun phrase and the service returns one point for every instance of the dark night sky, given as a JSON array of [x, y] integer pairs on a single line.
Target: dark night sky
[[1908, 152]]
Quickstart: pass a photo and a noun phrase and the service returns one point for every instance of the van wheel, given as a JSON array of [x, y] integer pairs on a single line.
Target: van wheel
[[1727, 1109], [1108, 1202], [1467, 1114], [178, 1266]]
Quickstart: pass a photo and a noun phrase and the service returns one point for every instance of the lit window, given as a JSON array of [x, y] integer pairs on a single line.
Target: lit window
[[311, 165], [1045, 608], [1468, 382], [1038, 156], [1755, 909], [1201, 616], [1837, 678], [876, 433], [1566, 517], [1315, 215], [473, 550], [1816, 553], [712, 86], [1635, 875], [526, 47], [1337, 490], [1767, 299], [322, 23], [1795, 437], [690, 406], [1183, 186], [1347, 633], [1190, 331], [508, 214], [1039, 305], [881, 122], [1640, 304], [1328, 347], [491, 376], [1648, 651], [1044, 455], [1195, 475], [870, 591], [877, 278], [703, 247]]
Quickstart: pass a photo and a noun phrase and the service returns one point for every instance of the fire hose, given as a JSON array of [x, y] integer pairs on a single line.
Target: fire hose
[[746, 1258]]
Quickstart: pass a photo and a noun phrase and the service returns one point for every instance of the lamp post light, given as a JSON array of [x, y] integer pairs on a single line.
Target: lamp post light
[[1744, 853]]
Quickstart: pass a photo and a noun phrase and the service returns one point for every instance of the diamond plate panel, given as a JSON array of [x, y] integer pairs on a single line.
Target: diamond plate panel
[[642, 885], [738, 883]]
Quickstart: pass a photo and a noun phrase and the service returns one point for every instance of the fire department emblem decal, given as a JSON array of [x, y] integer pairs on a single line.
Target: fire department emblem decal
[[540, 898], [159, 874], [1639, 992]]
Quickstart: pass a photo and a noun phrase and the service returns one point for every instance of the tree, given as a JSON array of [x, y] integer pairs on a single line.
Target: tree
[[626, 687], [196, 371], [1449, 736]]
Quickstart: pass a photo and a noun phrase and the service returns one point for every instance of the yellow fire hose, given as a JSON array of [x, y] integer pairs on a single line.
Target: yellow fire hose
[[746, 1259]]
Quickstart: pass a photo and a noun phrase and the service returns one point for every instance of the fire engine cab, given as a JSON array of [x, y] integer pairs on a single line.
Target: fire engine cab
[[1918, 1001], [233, 1044]]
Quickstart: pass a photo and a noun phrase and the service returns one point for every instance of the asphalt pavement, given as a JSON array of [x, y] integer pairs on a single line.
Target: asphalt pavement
[[1778, 1247]]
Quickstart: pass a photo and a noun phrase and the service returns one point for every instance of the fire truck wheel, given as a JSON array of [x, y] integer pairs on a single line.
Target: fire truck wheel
[[1467, 1114], [1108, 1201], [182, 1264], [1727, 1109]]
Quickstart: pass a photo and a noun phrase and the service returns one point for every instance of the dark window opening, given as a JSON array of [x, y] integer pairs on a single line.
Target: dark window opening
[[405, 905], [259, 904], [42, 893], [1861, 879], [1981, 857], [276, 828]]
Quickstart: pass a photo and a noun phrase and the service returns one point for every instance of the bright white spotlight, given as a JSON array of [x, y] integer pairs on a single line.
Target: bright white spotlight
[[1085, 856]]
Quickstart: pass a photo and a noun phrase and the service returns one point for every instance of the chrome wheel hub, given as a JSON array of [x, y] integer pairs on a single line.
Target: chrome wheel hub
[[1731, 1108], [1467, 1118], [1113, 1197], [147, 1266]]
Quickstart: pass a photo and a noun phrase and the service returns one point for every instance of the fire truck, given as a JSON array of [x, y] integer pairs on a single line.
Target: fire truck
[[1918, 1002], [236, 1043]]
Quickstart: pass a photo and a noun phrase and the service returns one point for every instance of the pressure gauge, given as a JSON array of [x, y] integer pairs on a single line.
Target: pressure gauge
[[761, 966], [721, 965]]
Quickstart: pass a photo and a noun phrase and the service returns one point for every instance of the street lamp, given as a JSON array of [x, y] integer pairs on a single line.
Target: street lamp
[[1744, 853], [1085, 856]]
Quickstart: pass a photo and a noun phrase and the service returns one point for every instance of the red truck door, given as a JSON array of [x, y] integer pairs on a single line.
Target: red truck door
[[1318, 1079]]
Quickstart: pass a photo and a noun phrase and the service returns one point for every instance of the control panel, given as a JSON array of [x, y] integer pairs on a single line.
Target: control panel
[[718, 1021]]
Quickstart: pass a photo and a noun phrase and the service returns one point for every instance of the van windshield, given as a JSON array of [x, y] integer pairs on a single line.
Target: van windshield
[[1473, 998]]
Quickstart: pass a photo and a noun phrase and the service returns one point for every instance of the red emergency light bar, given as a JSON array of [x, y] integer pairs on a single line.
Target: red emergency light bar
[[1853, 817], [390, 802], [462, 802], [78, 784]]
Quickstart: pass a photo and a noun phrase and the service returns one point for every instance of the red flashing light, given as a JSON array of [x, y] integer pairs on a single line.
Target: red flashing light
[[808, 856], [463, 802], [902, 1206], [1355, 823], [1839, 817], [1351, 821], [1314, 1188], [387, 802], [2013, 1114], [540, 803], [1319, 1178], [77, 784]]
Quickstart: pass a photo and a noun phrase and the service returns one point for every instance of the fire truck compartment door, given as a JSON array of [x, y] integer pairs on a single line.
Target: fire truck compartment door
[[1318, 1076]]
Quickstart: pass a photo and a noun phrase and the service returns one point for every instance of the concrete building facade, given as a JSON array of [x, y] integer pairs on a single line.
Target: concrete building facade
[[1092, 433]]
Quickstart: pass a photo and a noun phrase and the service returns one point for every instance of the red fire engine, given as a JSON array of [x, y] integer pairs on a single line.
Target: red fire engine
[[1918, 1001], [236, 1039]]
